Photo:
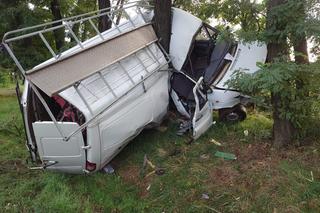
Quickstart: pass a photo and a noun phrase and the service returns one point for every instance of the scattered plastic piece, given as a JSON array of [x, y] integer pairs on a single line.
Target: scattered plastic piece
[[205, 196], [148, 188], [108, 169], [227, 156], [216, 142], [246, 133]]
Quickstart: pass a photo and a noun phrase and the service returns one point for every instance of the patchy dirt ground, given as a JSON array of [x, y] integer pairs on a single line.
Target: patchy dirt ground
[[12, 165]]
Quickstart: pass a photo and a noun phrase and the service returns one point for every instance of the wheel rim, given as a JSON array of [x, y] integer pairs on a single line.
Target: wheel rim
[[232, 116]]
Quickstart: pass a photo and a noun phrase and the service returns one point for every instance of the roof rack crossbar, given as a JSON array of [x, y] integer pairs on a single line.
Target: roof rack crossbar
[[67, 23]]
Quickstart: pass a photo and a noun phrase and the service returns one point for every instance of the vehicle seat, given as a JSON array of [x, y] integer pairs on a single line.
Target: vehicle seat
[[182, 86]]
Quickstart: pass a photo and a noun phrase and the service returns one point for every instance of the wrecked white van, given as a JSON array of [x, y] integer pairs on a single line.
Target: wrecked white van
[[82, 106], [198, 56]]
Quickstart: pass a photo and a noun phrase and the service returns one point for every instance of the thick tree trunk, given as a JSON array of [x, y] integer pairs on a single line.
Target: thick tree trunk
[[283, 130], [58, 34], [301, 57], [301, 51], [104, 22], [300, 46], [162, 21]]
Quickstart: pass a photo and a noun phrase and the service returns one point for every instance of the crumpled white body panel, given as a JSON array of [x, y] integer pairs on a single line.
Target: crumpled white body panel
[[184, 28]]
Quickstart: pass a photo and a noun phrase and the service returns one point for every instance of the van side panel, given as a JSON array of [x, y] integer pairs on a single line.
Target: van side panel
[[126, 120]]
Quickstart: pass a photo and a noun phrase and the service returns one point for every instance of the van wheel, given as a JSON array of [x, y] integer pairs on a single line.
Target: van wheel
[[235, 114]]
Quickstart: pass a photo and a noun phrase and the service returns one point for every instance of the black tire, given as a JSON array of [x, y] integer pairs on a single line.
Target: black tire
[[235, 114]]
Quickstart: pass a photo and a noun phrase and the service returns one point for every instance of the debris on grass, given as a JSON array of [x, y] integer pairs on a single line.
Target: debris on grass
[[204, 157], [215, 142], [205, 196], [226, 156], [155, 170], [184, 127], [246, 133], [108, 169]]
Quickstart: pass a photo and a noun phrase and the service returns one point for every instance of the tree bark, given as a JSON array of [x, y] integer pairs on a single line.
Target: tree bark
[[283, 129], [300, 43], [59, 33], [301, 57], [301, 51], [104, 21], [162, 22]]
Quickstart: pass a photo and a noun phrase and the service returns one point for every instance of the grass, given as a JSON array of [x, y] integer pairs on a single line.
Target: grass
[[260, 180]]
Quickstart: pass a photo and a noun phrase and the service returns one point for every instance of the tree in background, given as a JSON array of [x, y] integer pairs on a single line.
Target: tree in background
[[283, 130], [289, 86], [162, 21], [104, 22], [56, 15], [246, 14]]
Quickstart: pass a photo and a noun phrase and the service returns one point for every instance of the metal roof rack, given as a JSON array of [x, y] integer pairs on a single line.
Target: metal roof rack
[[51, 67]]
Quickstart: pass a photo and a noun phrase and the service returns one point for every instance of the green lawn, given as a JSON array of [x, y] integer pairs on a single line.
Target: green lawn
[[260, 180]]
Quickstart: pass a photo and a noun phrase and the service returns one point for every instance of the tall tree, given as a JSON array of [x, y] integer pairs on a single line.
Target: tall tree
[[162, 21], [104, 22], [56, 13], [283, 130]]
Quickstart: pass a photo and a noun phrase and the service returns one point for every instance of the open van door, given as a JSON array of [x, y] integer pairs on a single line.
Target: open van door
[[56, 153], [202, 118]]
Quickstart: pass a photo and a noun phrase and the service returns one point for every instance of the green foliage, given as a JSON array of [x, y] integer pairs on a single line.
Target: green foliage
[[5, 77], [245, 14], [281, 78]]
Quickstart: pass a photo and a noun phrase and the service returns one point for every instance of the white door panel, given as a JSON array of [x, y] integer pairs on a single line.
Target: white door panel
[[202, 119], [57, 154]]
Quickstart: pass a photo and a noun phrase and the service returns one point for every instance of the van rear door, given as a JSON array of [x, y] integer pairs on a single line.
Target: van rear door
[[56, 153]]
